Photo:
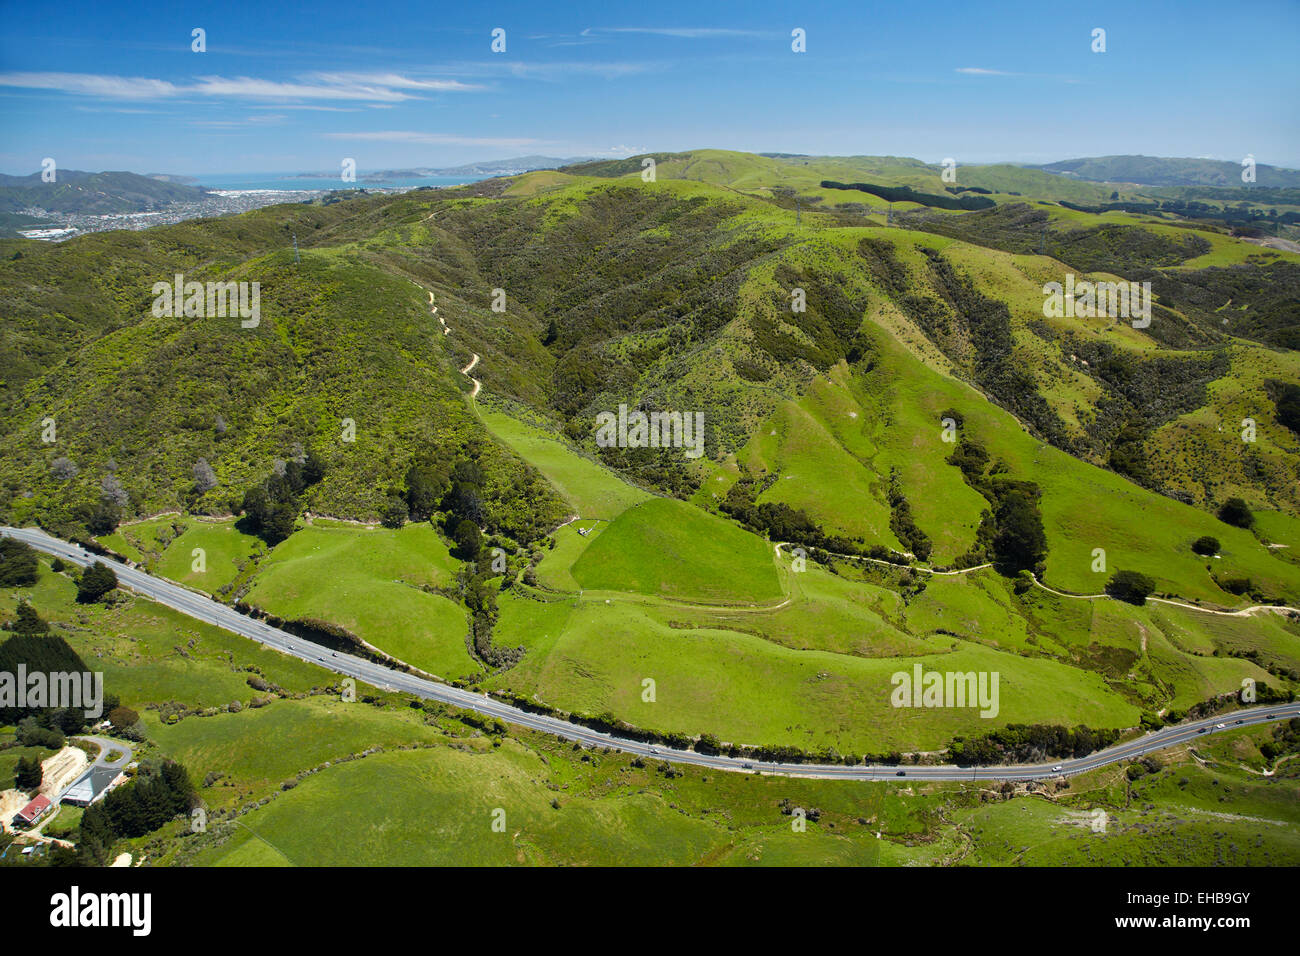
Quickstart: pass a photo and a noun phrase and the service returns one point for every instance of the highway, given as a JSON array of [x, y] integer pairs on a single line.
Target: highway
[[210, 611]]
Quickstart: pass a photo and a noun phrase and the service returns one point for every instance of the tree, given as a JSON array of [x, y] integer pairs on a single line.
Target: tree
[[205, 479], [255, 506], [394, 513], [28, 773], [123, 717], [63, 468], [114, 490], [27, 621], [464, 502], [1206, 545], [1020, 542], [1236, 512], [96, 581], [1130, 586], [18, 567], [425, 486], [313, 468], [468, 539], [279, 523], [105, 516]]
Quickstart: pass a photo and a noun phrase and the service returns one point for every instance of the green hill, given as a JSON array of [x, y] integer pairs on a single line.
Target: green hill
[[824, 335], [74, 191], [1159, 171]]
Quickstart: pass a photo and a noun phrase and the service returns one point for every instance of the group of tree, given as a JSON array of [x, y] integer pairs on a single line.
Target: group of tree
[[36, 650], [781, 522], [478, 482], [908, 194], [463, 506], [1020, 543], [481, 599], [1131, 586], [1286, 397], [27, 621], [1237, 513], [17, 564], [157, 794], [96, 581], [271, 507], [1011, 533], [28, 774], [1286, 740], [903, 524], [1027, 743], [456, 492]]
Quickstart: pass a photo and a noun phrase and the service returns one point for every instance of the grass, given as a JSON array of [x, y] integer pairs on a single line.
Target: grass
[[439, 806], [151, 654], [285, 784], [811, 446], [669, 549], [257, 749], [747, 689], [375, 577], [590, 489]]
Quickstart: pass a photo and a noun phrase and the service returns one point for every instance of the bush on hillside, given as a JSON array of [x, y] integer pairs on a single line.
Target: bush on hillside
[[17, 564], [97, 581], [1020, 542], [1236, 512], [1130, 586], [394, 513]]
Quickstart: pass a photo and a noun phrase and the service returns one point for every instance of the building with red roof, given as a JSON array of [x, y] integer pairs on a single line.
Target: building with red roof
[[30, 814]]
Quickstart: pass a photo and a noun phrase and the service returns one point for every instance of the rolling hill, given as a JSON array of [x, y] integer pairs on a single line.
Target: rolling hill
[[571, 571]]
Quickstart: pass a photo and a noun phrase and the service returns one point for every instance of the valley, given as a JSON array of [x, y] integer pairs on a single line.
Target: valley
[[921, 470]]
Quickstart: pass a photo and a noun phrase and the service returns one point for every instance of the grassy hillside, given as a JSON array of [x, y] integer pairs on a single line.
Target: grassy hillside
[[823, 335], [669, 549], [285, 775]]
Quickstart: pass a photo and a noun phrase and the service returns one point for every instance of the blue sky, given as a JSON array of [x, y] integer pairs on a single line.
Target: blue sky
[[299, 87]]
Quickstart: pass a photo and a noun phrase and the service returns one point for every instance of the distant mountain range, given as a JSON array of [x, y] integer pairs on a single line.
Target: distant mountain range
[[496, 167], [84, 193], [1159, 171], [80, 193]]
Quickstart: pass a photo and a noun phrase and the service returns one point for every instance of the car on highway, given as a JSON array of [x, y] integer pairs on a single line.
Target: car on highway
[[1220, 726], [1056, 769], [901, 773]]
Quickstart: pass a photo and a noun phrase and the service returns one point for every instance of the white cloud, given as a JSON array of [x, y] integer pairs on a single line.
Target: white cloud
[[685, 33], [980, 71], [249, 87], [89, 84], [368, 87], [608, 70], [394, 81]]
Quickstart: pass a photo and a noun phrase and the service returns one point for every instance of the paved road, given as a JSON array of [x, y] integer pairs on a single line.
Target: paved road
[[106, 746], [206, 609]]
